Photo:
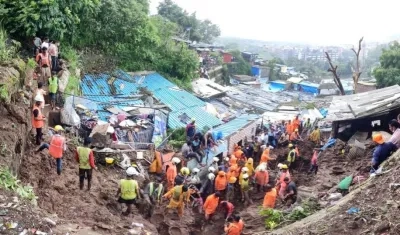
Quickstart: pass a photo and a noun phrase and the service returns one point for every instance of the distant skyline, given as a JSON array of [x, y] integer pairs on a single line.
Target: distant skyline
[[305, 21]]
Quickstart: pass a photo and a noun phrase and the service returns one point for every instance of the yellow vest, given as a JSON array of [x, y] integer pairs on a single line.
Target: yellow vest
[[128, 189], [290, 159], [83, 154], [177, 193]]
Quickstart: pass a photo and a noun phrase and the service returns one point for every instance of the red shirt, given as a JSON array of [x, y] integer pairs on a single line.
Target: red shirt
[[229, 207], [91, 158], [314, 158]]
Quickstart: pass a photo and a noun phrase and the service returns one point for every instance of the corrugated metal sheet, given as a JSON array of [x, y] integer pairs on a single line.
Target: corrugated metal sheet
[[178, 100], [364, 104], [234, 125]]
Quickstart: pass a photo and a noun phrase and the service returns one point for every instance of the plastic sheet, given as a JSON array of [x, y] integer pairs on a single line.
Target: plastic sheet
[[68, 113]]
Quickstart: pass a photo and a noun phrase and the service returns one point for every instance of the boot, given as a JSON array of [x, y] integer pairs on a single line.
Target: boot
[[89, 185], [80, 185]]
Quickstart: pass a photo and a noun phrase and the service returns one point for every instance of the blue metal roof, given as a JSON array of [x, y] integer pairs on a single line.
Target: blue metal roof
[[179, 101], [234, 125]]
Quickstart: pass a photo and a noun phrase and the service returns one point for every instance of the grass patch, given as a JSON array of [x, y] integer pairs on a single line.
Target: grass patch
[[72, 57], [186, 85], [8, 47], [73, 86], [10, 182]]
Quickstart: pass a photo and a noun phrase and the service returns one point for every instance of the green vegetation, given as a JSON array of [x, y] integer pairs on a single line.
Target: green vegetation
[[8, 48], [31, 63], [177, 137], [73, 86], [388, 73], [10, 182], [240, 67], [275, 218], [196, 30], [120, 29]]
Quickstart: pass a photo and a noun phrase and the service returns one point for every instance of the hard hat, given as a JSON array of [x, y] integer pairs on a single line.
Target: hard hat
[[245, 176], [211, 169], [131, 171], [185, 171], [215, 159], [226, 159], [378, 138], [290, 145], [58, 128], [280, 165], [196, 170], [245, 169], [296, 130], [193, 119], [284, 166], [39, 98], [233, 168], [211, 176], [221, 173], [176, 160], [232, 180]]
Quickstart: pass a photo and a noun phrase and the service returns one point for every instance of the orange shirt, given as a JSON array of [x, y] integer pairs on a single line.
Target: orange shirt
[[294, 136], [238, 153], [289, 128], [240, 224], [265, 158], [295, 124], [220, 183], [232, 229], [211, 204], [269, 199], [262, 177], [171, 173]]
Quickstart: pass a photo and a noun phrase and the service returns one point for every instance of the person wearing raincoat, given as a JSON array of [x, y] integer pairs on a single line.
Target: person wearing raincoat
[[280, 184], [179, 196], [250, 167], [172, 172]]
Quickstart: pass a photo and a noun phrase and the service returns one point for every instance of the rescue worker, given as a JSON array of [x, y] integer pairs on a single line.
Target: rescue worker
[[249, 165], [239, 222], [210, 205], [156, 165], [256, 149], [307, 126], [233, 171], [214, 163], [381, 152], [84, 156], [232, 160], [295, 137], [237, 151], [314, 164], [128, 190], [231, 228], [221, 182], [290, 193], [296, 123], [38, 118], [261, 178], [57, 147], [44, 61], [243, 172], [152, 195], [228, 209], [270, 197], [245, 188], [224, 166], [281, 185], [208, 187], [179, 196], [194, 178], [181, 177], [230, 191], [172, 172], [213, 170], [289, 128], [291, 158], [315, 136]]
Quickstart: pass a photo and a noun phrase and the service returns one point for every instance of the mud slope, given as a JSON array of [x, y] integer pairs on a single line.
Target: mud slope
[[377, 202], [60, 195]]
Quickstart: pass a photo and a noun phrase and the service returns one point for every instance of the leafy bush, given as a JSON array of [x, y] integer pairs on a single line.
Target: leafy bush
[[73, 86], [72, 57], [31, 64], [10, 182], [177, 137], [8, 48]]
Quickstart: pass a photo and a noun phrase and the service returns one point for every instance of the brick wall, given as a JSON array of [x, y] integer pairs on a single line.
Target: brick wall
[[248, 130]]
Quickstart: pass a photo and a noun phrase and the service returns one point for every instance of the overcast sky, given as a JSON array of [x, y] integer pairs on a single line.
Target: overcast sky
[[314, 21]]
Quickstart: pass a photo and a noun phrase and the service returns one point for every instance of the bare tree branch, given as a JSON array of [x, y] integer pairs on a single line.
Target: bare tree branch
[[333, 70], [357, 71]]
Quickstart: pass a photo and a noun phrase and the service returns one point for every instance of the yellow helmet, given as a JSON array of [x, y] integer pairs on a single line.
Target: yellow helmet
[[284, 167], [58, 128], [290, 145], [185, 171], [232, 180]]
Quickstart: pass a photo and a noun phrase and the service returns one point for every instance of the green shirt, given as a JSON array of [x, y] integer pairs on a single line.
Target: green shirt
[[53, 84]]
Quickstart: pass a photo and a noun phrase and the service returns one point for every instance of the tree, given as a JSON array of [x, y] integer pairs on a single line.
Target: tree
[[240, 66], [336, 78], [193, 28], [388, 73], [357, 70]]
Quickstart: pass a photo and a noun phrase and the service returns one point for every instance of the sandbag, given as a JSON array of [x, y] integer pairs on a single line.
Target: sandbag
[[345, 183]]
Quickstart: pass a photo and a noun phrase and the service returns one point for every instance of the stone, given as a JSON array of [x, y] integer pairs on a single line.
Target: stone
[[50, 221], [382, 227]]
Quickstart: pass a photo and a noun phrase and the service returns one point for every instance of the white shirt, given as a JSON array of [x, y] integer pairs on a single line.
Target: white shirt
[[45, 44], [395, 139]]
